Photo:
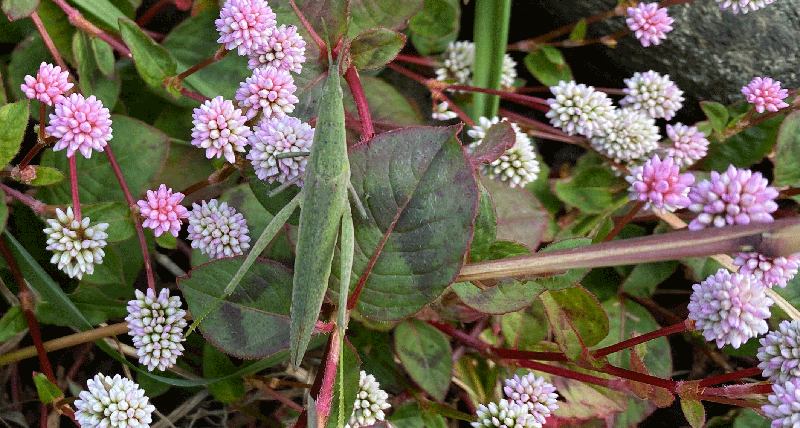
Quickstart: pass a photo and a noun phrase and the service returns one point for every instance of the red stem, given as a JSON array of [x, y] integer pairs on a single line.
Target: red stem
[[317, 39], [728, 377], [408, 73], [218, 55], [669, 385], [329, 379], [625, 344], [148, 267], [40, 143], [73, 185], [36, 206], [739, 390], [152, 12], [76, 19], [360, 98], [624, 221], [570, 374], [194, 95], [415, 60], [48, 42], [526, 100]]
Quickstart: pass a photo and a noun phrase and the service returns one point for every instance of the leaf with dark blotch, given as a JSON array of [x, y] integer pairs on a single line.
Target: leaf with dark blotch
[[426, 355], [577, 319], [787, 152], [140, 151], [261, 189], [375, 47], [421, 200], [389, 108], [253, 322], [499, 138], [13, 122], [17, 9], [153, 62]]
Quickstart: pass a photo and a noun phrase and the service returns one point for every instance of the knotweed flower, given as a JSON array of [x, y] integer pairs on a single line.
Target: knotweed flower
[[218, 230], [743, 6], [459, 61], [80, 124], [163, 211], [518, 165], [631, 135], [784, 404], [76, 246], [219, 128], [245, 25], [25, 175], [156, 324], [730, 308], [285, 49], [579, 109], [49, 85], [278, 135], [113, 402], [688, 144], [771, 271], [737, 196], [779, 354], [765, 94], [370, 402], [653, 94], [505, 414], [441, 112], [534, 392], [660, 185], [649, 23], [268, 89]]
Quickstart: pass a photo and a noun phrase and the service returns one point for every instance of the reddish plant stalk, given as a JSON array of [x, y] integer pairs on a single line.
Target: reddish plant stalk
[[76, 19], [408, 73], [625, 344], [40, 143], [741, 390], [526, 100], [27, 305], [48, 42], [314, 36], [215, 177], [415, 60], [728, 377], [624, 221], [218, 55], [148, 266], [452, 106], [668, 384], [729, 401], [360, 98], [37, 206], [73, 186], [194, 95], [328, 380], [154, 10]]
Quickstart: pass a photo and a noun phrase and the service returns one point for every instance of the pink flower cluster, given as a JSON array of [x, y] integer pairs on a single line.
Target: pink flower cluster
[[49, 85], [80, 124], [765, 94], [649, 23], [163, 211], [660, 185]]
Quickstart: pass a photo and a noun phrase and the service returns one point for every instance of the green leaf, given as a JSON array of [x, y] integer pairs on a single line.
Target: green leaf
[[386, 104], [420, 218], [745, 148], [153, 62], [749, 418], [48, 392], [12, 323], [588, 190], [694, 411], [490, 34], [3, 211], [262, 189], [577, 319], [376, 13], [375, 47], [108, 272], [16, 9], [253, 322], [140, 151], [92, 80], [104, 56], [553, 55], [787, 152], [506, 296], [425, 354], [217, 365], [187, 48], [499, 138], [546, 71], [525, 329], [717, 115], [102, 10], [46, 176], [352, 371], [26, 59], [645, 277], [167, 240], [485, 224], [116, 214], [58, 27], [93, 304], [579, 32], [498, 250], [435, 25], [13, 122]]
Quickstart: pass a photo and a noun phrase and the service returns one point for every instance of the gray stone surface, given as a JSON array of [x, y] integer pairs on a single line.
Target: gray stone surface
[[711, 53]]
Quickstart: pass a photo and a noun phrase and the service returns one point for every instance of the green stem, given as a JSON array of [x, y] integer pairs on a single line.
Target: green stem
[[492, 19]]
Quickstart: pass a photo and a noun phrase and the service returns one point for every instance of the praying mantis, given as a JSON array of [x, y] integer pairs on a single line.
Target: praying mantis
[[325, 218]]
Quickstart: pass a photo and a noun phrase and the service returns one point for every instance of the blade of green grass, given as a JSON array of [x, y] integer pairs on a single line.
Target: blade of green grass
[[491, 36]]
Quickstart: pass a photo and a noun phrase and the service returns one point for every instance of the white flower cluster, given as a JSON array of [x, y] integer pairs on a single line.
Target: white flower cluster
[[518, 165]]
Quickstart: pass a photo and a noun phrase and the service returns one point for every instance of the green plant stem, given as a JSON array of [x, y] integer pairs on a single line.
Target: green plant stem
[[137, 223], [773, 239], [492, 18], [65, 342]]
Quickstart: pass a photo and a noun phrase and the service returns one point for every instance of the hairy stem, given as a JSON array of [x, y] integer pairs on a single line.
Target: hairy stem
[[360, 98]]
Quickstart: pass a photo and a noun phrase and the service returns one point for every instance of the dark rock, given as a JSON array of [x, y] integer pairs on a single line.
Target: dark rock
[[710, 54]]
